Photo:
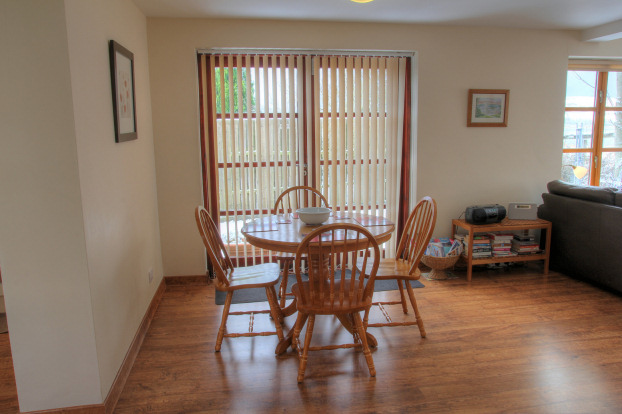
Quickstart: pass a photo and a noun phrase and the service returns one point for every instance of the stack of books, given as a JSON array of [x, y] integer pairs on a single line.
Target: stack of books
[[525, 244], [481, 246], [501, 244]]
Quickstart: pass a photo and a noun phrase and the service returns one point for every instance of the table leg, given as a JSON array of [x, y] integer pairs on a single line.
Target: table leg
[[285, 343], [289, 309], [470, 256], [547, 249], [348, 322]]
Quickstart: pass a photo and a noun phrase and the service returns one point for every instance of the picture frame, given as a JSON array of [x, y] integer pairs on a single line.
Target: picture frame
[[123, 96], [488, 108]]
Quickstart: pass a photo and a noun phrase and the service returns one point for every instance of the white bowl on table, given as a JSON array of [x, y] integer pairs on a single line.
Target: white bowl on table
[[313, 216]]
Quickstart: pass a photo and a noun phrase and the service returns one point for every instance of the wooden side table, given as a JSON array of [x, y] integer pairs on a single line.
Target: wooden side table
[[504, 225]]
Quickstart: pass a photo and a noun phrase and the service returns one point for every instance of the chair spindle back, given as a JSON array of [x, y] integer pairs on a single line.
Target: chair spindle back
[[417, 233], [296, 197], [334, 281], [216, 251]]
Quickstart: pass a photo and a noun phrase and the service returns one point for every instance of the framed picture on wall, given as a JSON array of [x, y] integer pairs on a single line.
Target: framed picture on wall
[[123, 100], [488, 108]]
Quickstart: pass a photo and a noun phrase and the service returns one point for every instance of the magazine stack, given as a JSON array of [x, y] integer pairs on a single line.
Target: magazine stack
[[443, 247], [525, 244]]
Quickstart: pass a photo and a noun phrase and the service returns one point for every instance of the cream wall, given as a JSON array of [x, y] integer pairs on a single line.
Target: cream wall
[[461, 166], [117, 180], [78, 212], [42, 245], [456, 165]]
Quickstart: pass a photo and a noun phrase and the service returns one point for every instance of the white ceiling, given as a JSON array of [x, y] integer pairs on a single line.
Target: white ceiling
[[595, 18]]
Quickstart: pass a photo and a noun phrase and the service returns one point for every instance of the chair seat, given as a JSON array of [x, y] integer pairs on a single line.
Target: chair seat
[[393, 269], [262, 275], [328, 306]]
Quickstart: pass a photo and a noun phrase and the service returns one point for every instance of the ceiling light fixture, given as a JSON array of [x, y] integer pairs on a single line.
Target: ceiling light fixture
[[362, 1]]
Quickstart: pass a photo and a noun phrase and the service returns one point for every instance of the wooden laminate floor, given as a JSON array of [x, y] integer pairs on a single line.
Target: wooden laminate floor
[[511, 342], [8, 390]]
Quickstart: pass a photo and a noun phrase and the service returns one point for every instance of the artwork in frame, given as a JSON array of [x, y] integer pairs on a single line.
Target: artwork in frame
[[123, 101], [488, 108]]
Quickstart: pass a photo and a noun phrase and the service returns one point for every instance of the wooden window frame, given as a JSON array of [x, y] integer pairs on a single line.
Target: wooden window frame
[[600, 109]]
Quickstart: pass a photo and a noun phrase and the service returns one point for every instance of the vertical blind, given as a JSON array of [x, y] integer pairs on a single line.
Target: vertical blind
[[358, 128], [269, 122]]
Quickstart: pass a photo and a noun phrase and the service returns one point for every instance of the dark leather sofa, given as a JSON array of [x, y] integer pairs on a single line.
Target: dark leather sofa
[[586, 240]]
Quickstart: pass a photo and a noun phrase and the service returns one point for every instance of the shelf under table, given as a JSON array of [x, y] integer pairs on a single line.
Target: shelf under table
[[504, 225]]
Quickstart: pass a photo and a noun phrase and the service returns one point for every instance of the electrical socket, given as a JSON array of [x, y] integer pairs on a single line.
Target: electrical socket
[[150, 275]]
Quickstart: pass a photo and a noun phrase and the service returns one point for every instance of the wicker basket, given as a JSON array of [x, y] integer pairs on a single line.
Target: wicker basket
[[439, 264]]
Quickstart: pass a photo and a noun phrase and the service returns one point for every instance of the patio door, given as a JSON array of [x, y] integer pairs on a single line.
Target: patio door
[[272, 121]]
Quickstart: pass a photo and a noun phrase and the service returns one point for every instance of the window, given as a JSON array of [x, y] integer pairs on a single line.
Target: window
[[593, 126], [272, 121]]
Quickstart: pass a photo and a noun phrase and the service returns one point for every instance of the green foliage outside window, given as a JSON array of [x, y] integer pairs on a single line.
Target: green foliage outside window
[[232, 91]]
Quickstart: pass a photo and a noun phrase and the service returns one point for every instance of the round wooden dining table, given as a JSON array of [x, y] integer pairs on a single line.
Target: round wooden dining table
[[283, 233]]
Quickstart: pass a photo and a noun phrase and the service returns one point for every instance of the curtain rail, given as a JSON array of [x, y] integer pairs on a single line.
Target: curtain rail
[[307, 52]]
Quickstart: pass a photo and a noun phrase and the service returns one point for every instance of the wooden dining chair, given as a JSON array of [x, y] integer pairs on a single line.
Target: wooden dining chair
[[332, 287], [230, 279], [287, 203], [405, 266]]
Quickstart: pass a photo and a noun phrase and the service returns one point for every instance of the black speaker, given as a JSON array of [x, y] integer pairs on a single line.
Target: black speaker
[[488, 214]]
